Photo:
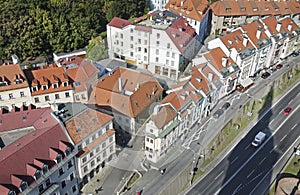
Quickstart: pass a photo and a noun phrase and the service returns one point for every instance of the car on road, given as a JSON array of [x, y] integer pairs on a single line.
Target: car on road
[[259, 138], [279, 66], [226, 106], [218, 113], [265, 75], [295, 53], [287, 110]]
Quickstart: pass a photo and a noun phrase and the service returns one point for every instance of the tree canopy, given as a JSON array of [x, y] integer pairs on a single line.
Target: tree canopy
[[31, 28]]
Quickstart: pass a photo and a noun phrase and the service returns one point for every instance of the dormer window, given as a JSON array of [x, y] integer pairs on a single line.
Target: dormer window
[[23, 186], [58, 158], [11, 193], [44, 87], [68, 151], [45, 169], [38, 174], [55, 85], [34, 88], [65, 84]]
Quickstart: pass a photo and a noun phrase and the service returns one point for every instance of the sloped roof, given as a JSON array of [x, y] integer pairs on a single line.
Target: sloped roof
[[215, 58], [271, 23], [195, 9], [164, 115], [286, 22], [138, 90], [119, 22], [251, 30], [235, 40], [177, 99], [9, 73], [85, 123], [182, 34]]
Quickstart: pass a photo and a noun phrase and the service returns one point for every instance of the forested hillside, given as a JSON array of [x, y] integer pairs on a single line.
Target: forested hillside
[[31, 28]]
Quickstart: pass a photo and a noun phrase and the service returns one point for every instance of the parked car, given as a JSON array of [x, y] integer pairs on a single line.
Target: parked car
[[218, 113], [226, 106], [295, 53], [287, 110], [265, 75], [278, 66]]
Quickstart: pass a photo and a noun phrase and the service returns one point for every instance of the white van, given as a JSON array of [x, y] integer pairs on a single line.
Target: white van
[[259, 138]]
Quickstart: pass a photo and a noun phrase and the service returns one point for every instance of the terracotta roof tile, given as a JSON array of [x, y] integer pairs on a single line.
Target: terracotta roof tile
[[127, 91], [85, 123], [119, 23], [252, 29], [164, 115], [9, 73], [215, 58]]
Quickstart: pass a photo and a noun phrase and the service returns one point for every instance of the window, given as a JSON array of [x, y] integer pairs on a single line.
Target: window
[[70, 164], [139, 49], [98, 158], [45, 169], [87, 142], [131, 54], [56, 96], [71, 176], [44, 87], [85, 169], [145, 42], [172, 63], [157, 43], [157, 70], [157, 51], [111, 149], [0, 97], [47, 98], [145, 50], [104, 154], [111, 139], [167, 62], [65, 84], [21, 94], [77, 83], [91, 154], [104, 145], [131, 38], [168, 45], [23, 186], [55, 85], [58, 158], [63, 184], [145, 58], [151, 141], [158, 35], [79, 147], [36, 100], [97, 149], [34, 89], [74, 189], [41, 188], [84, 160], [82, 96], [173, 55], [139, 41], [121, 35], [121, 43], [131, 46], [48, 182], [10, 96], [38, 174], [156, 59], [92, 163], [61, 171], [168, 54], [67, 94]]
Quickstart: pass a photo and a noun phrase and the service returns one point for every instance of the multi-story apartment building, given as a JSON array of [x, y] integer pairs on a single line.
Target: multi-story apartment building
[[37, 157], [157, 4], [186, 104], [14, 88], [127, 95], [161, 42], [227, 14], [49, 85], [83, 75], [219, 69], [92, 134], [196, 12]]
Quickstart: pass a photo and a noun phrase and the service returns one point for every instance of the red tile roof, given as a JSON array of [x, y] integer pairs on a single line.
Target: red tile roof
[[252, 29], [9, 73], [235, 40], [138, 90], [195, 9], [215, 58], [119, 22], [182, 34], [48, 76], [164, 115], [87, 122]]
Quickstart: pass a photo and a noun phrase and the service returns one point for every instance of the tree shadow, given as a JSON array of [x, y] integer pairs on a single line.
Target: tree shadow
[[248, 168]]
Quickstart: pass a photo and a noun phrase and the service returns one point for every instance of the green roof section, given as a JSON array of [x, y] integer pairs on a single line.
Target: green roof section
[[168, 129]]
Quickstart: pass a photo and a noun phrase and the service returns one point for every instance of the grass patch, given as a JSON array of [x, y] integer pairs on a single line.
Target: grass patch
[[133, 179]]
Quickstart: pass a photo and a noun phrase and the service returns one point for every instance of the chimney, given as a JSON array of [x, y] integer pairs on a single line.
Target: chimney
[[258, 32], [120, 84], [289, 27], [224, 61], [278, 27], [245, 41], [181, 3]]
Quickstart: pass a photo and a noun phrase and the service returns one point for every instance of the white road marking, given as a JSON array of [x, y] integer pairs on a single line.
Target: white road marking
[[250, 173], [272, 121], [234, 160], [247, 147], [283, 138], [219, 175], [237, 188], [273, 149], [294, 126], [262, 160]]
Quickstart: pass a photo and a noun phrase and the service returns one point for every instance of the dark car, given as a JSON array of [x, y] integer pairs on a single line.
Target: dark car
[[265, 75], [287, 110], [226, 106], [278, 66], [295, 54], [218, 113]]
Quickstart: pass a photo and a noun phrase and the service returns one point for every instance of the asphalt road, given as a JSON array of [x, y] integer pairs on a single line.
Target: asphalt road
[[245, 167]]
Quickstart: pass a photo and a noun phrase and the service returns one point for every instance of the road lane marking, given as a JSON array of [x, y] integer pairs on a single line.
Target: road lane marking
[[272, 121], [250, 173], [283, 138], [237, 189], [262, 160], [273, 149], [234, 160], [247, 147], [219, 175], [294, 126]]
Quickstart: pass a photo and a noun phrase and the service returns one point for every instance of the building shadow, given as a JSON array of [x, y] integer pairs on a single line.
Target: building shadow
[[247, 169]]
